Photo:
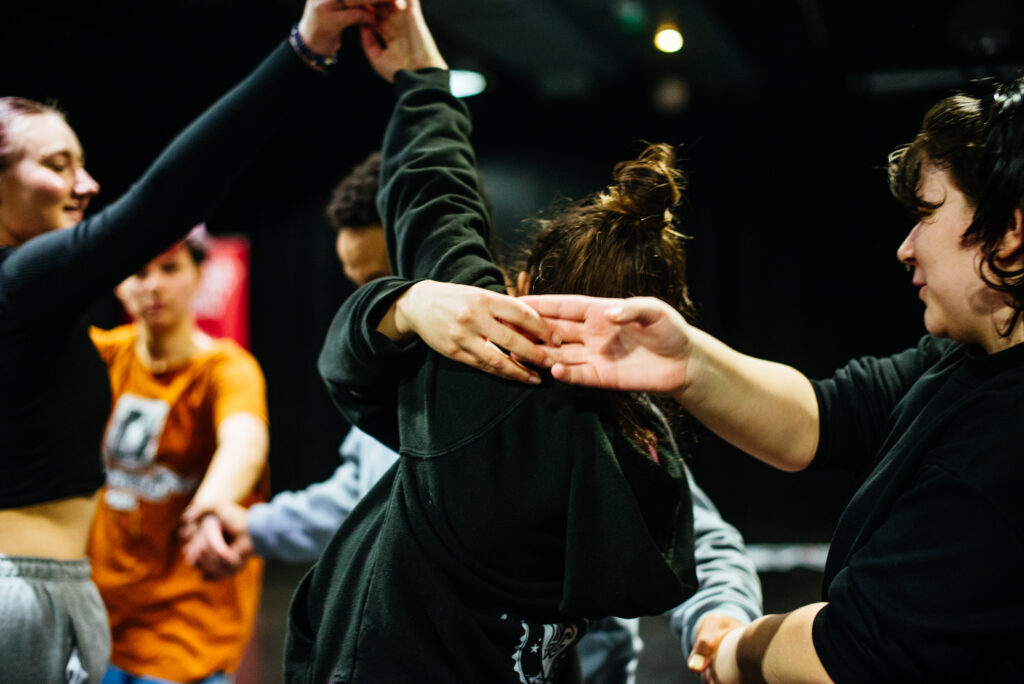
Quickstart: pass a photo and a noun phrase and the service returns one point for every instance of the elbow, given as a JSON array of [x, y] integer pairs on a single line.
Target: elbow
[[793, 465]]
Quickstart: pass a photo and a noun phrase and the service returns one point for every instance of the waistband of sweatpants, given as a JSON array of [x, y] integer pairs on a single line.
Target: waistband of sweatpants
[[30, 567]]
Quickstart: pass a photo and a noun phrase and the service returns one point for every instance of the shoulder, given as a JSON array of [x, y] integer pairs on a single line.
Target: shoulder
[[221, 352], [121, 336], [228, 371], [111, 343]]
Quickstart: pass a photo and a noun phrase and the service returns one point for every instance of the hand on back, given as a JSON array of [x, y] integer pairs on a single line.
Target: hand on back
[[469, 324]]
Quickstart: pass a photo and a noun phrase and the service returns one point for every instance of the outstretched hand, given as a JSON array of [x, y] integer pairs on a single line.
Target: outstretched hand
[[638, 344], [468, 324], [323, 20], [398, 38]]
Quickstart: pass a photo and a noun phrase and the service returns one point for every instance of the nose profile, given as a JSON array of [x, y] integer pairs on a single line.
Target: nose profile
[[905, 252], [85, 184]]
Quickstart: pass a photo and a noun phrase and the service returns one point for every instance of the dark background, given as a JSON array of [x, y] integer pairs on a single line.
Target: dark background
[[788, 111]]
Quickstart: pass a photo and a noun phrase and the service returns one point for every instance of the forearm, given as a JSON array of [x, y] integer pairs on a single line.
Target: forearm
[[296, 526], [189, 179], [766, 409], [728, 592], [776, 649], [238, 462], [430, 200]]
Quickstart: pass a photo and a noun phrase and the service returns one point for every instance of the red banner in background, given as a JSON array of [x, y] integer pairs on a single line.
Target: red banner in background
[[222, 303]]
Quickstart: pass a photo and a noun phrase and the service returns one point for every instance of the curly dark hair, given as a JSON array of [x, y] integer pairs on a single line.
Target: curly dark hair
[[979, 141], [354, 200]]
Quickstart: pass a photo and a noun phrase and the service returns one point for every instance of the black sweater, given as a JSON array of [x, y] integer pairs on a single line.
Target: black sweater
[[514, 512], [923, 576], [54, 391]]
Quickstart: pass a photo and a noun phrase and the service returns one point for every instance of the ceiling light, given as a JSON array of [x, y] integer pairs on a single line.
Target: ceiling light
[[668, 38], [467, 83]]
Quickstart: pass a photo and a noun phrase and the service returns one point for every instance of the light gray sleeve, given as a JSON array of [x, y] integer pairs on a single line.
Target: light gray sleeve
[[296, 526], [728, 581]]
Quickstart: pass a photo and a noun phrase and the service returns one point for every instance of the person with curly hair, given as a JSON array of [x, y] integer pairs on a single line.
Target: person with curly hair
[[921, 581]]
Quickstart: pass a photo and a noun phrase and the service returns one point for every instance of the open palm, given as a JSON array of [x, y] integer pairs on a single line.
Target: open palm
[[638, 344]]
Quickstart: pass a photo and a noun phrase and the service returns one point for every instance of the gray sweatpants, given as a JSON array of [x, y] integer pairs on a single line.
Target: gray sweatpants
[[53, 627]]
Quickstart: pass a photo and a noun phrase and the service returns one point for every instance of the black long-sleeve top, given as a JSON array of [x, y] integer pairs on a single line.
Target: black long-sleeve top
[[54, 391], [514, 512]]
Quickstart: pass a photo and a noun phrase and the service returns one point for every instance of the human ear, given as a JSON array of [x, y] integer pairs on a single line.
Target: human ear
[[121, 292], [1013, 238], [522, 284]]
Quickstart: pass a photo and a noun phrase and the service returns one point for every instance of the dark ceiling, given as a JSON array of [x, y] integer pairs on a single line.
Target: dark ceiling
[[559, 48], [564, 47]]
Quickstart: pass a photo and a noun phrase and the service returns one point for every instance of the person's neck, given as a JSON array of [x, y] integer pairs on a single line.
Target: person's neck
[[163, 349], [995, 342]]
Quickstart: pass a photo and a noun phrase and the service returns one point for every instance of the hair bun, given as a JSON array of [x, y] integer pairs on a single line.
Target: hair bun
[[647, 186]]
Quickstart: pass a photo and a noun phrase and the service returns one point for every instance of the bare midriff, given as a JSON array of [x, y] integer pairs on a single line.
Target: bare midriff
[[55, 529]]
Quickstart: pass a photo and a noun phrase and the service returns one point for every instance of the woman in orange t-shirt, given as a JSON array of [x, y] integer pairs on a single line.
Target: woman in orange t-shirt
[[188, 428]]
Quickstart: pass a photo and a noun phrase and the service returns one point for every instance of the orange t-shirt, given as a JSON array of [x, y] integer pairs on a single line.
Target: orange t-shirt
[[165, 619]]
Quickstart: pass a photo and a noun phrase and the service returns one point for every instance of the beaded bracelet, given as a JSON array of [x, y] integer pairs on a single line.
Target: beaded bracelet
[[313, 59]]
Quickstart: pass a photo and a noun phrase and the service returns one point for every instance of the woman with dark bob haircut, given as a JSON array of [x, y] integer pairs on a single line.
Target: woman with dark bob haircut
[[54, 391], [922, 582], [517, 511]]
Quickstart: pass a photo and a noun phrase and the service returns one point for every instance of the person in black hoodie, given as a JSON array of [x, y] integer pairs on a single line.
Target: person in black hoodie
[[517, 511], [922, 580]]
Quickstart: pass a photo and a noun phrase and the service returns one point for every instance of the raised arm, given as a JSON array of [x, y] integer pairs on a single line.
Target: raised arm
[[430, 201], [437, 223], [767, 409], [181, 188]]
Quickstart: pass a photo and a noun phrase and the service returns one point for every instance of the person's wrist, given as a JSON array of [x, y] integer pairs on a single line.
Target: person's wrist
[[244, 545], [697, 381], [428, 60], [317, 50], [405, 311], [725, 663]]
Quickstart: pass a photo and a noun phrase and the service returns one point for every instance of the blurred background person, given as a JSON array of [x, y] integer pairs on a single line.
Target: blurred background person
[[188, 427]]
